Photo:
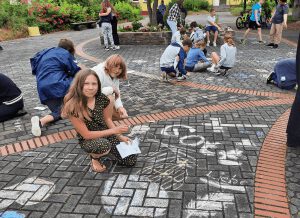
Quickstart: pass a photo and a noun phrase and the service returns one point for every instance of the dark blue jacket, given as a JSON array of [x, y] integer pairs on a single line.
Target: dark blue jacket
[[182, 56], [54, 69]]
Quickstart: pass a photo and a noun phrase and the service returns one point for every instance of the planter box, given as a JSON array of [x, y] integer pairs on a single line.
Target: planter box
[[143, 38]]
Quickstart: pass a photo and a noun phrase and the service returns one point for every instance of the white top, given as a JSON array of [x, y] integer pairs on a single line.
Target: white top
[[107, 81], [210, 19], [228, 54], [176, 38]]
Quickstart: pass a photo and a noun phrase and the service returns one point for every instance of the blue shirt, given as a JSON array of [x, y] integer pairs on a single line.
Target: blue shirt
[[257, 7], [162, 9], [182, 56], [54, 69], [195, 55]]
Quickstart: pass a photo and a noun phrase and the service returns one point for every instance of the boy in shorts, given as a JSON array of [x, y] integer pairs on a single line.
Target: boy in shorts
[[254, 22]]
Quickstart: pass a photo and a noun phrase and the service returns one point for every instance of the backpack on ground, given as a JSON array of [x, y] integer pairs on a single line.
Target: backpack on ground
[[284, 74]]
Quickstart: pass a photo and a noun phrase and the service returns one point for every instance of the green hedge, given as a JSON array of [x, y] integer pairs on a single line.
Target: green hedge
[[128, 11], [196, 5]]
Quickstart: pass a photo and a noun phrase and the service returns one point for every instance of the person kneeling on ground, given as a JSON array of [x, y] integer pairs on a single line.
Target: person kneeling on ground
[[11, 99], [173, 58], [54, 69], [110, 72], [196, 60], [227, 60], [89, 111], [293, 127], [284, 75]]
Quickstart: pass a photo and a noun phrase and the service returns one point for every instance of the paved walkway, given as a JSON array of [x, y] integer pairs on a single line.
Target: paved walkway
[[211, 146]]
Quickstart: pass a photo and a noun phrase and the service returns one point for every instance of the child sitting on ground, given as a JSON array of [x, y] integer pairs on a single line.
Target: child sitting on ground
[[227, 60], [110, 72], [196, 60], [179, 36], [169, 57]]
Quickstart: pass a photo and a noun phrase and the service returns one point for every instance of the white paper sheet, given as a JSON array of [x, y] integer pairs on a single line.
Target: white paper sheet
[[129, 149]]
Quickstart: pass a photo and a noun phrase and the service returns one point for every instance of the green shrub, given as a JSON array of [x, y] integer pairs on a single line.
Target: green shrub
[[127, 11], [193, 5], [76, 12], [13, 16], [136, 25]]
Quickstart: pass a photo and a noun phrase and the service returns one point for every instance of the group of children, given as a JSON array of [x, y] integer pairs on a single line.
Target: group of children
[[189, 53]]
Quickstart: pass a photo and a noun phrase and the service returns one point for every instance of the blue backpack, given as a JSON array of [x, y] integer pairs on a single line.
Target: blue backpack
[[285, 73]]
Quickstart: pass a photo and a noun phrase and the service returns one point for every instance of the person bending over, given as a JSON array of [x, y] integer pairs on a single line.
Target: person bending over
[[173, 58], [54, 69]]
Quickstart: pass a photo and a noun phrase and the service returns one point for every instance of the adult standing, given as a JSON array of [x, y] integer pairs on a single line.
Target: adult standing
[[11, 99], [174, 15], [160, 13], [54, 69], [279, 21], [254, 22], [114, 23], [293, 127], [106, 25]]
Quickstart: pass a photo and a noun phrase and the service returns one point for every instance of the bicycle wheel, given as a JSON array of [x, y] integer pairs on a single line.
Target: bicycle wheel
[[239, 23]]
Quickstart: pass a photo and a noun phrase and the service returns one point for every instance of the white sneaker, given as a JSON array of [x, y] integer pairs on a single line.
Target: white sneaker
[[208, 43], [214, 44], [115, 47], [35, 126], [181, 78]]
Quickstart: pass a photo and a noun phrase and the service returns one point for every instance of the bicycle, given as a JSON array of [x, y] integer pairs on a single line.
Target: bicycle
[[242, 21]]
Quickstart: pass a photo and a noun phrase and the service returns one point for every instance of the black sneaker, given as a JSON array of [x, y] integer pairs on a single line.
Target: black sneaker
[[275, 46], [270, 44], [269, 79], [1, 48]]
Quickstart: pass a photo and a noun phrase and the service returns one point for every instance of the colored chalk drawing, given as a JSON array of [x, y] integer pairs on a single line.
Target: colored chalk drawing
[[29, 192]]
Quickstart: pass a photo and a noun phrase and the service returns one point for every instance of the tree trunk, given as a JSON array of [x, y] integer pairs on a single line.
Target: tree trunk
[[296, 10], [152, 11]]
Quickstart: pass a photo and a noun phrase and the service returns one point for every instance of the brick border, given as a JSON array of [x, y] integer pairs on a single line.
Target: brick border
[[270, 194], [179, 112]]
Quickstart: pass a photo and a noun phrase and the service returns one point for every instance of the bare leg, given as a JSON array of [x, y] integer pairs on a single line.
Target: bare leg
[[215, 36], [207, 36], [46, 119], [215, 58], [259, 34], [246, 33]]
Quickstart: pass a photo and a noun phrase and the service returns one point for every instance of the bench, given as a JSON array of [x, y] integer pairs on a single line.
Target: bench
[[83, 25]]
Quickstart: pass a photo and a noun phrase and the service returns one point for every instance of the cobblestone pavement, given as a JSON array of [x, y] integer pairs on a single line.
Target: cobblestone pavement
[[200, 165]]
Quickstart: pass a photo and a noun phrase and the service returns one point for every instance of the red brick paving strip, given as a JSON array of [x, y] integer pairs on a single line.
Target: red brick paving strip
[[69, 134], [270, 195]]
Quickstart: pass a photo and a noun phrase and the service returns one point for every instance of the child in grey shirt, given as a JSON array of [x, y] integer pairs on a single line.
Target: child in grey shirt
[[227, 60]]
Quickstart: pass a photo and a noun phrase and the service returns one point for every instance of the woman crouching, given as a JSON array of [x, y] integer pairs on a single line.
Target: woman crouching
[[89, 111]]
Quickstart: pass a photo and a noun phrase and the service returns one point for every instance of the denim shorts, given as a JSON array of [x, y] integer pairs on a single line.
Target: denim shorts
[[211, 28]]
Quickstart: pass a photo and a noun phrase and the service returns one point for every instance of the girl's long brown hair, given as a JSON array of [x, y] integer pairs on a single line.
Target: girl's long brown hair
[[229, 39], [75, 102]]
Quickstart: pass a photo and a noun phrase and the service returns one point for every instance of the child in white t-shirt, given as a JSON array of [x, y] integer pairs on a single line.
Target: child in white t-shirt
[[213, 26]]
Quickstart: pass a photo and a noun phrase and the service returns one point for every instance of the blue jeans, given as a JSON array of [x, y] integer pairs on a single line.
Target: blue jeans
[[55, 107], [173, 26]]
